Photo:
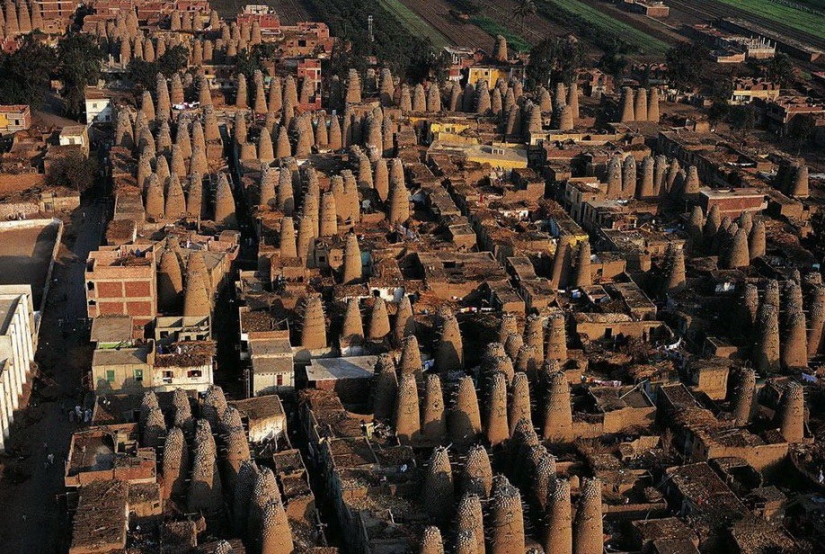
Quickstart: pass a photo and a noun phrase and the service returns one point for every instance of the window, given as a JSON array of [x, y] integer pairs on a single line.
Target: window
[[167, 376], [138, 373], [194, 373], [279, 379], [110, 376], [90, 285]]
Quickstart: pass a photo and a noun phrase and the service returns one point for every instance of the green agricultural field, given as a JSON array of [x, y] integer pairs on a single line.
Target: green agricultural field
[[813, 4], [813, 24], [603, 22], [416, 26], [514, 41]]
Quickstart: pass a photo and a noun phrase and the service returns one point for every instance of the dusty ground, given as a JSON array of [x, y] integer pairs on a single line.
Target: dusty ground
[[290, 11], [437, 14], [25, 256], [34, 515]]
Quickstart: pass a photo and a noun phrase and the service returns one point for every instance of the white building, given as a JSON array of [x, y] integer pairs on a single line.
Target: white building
[[273, 368], [98, 106], [17, 346]]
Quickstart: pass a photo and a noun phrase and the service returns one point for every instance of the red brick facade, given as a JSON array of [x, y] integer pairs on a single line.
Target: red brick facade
[[119, 282]]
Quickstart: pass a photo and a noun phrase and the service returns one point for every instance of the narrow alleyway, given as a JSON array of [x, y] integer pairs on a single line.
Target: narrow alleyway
[[33, 519]]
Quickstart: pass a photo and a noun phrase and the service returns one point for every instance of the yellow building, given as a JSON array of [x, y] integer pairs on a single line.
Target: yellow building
[[499, 156], [453, 133], [489, 73], [492, 74], [15, 118]]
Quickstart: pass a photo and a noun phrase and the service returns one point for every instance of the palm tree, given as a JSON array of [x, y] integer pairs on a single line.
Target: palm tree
[[523, 9]]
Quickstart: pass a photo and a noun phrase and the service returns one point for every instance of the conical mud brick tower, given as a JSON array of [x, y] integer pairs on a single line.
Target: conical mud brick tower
[[404, 320], [379, 320], [584, 275], [313, 332], [791, 413], [742, 403], [386, 391], [587, 528], [352, 332], [449, 354], [352, 260], [407, 415], [434, 427], [431, 542], [477, 478], [507, 534], [276, 537], [556, 339], [496, 427], [469, 521], [205, 492], [519, 407], [465, 420], [410, 362], [175, 463], [558, 535], [558, 417], [437, 493]]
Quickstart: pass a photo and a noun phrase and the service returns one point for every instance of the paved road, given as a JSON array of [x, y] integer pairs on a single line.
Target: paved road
[[32, 517]]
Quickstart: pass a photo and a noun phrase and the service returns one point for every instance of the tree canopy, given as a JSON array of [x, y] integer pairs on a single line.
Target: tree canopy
[[523, 9], [247, 62], [79, 57], [554, 60], [685, 63], [24, 74], [780, 70], [742, 118], [75, 171], [801, 129], [145, 73], [390, 42]]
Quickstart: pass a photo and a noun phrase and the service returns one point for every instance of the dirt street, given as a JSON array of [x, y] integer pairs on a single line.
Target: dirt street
[[30, 488]]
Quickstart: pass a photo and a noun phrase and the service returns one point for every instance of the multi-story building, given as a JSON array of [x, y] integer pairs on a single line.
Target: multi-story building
[[56, 9], [98, 106], [122, 281], [13, 118], [17, 346], [746, 89], [124, 362]]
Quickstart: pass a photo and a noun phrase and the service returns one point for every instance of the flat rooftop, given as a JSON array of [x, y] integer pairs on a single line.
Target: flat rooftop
[[111, 329], [25, 254], [354, 367], [7, 307], [745, 192], [121, 356], [270, 347], [260, 407]]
